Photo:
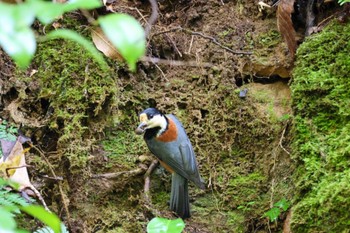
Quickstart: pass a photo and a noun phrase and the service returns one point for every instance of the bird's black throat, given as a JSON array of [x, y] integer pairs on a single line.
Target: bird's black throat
[[152, 132]]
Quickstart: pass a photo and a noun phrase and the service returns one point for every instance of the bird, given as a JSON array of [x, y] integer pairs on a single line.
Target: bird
[[166, 138]]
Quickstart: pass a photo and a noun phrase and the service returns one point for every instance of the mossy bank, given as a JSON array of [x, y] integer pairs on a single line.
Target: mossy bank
[[321, 101]]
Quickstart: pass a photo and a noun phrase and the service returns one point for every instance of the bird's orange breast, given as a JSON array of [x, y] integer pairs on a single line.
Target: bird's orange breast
[[168, 168], [170, 134]]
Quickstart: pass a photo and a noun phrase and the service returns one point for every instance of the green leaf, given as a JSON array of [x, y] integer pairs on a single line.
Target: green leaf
[[283, 204], [7, 222], [72, 35], [44, 216], [273, 214], [126, 34], [46, 12], [16, 36], [341, 2], [163, 225], [82, 4]]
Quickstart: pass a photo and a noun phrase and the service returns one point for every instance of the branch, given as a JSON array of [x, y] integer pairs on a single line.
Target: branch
[[156, 60], [147, 197], [153, 17], [281, 140], [115, 175], [214, 40]]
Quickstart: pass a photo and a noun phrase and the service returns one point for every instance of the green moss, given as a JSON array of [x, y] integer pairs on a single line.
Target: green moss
[[268, 39], [78, 92], [160, 198], [123, 147], [237, 221], [247, 186], [321, 100]]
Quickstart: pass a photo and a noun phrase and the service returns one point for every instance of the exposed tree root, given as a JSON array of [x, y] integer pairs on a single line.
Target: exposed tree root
[[147, 197], [115, 175]]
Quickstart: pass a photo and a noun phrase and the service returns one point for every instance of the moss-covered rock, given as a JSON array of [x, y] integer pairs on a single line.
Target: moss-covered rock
[[321, 101], [77, 93]]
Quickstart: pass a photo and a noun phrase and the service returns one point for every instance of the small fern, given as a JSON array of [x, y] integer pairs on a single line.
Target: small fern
[[7, 132], [12, 200], [12, 204], [8, 198], [49, 230]]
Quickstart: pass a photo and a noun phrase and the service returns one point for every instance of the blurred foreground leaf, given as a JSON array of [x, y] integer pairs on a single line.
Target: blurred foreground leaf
[[103, 44], [126, 34], [16, 37], [7, 223], [44, 216], [163, 225]]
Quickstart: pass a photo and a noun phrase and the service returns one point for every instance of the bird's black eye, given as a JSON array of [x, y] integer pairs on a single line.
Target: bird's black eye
[[150, 116]]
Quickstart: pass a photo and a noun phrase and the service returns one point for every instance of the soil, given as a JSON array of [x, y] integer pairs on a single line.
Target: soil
[[242, 143]]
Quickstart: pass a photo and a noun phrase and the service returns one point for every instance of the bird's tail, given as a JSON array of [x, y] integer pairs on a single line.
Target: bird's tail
[[179, 200]]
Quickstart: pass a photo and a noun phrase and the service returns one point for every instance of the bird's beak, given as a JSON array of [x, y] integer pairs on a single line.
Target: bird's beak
[[141, 128]]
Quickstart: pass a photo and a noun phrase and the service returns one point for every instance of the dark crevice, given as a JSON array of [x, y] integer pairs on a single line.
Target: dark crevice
[[263, 80]]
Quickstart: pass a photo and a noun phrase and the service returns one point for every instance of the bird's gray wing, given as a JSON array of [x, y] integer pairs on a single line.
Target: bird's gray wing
[[190, 163]]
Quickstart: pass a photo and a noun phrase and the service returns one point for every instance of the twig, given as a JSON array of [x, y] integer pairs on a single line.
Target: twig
[[191, 43], [175, 63], [148, 173], [174, 45], [10, 168], [115, 175], [65, 204], [281, 140], [146, 189], [53, 178], [161, 71], [38, 194], [89, 17], [212, 39], [138, 12], [167, 31]]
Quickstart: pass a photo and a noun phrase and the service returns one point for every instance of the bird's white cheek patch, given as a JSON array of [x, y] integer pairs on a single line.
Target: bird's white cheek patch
[[143, 117], [170, 134]]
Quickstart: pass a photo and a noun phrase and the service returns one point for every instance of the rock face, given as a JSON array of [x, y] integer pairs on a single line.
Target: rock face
[[267, 69], [273, 99]]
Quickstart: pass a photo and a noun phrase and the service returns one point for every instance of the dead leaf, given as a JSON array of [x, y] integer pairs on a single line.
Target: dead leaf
[[285, 24], [104, 45], [6, 147], [14, 167]]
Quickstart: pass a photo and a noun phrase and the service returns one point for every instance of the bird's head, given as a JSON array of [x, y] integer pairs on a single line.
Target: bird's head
[[151, 118]]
